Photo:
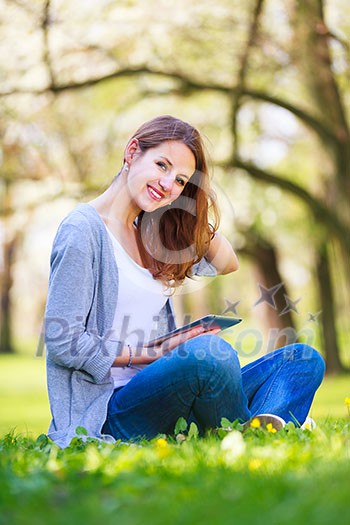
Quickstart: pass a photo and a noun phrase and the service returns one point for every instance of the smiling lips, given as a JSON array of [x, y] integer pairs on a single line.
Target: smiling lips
[[155, 194]]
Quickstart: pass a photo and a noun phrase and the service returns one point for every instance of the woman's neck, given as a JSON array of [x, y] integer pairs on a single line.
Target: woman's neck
[[116, 206], [118, 214]]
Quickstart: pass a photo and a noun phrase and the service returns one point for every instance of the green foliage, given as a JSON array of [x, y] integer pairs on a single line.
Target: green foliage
[[181, 425], [193, 431], [81, 431], [288, 477], [228, 426]]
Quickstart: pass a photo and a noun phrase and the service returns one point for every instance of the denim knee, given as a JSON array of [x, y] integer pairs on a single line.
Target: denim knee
[[318, 366], [311, 358], [212, 354]]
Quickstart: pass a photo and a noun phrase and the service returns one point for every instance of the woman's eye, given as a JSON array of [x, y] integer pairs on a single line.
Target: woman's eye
[[180, 181], [162, 165]]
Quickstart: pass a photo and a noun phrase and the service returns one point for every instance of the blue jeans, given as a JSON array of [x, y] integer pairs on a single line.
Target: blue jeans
[[202, 381]]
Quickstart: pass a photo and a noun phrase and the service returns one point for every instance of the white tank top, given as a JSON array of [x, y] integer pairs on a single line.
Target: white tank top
[[140, 299]]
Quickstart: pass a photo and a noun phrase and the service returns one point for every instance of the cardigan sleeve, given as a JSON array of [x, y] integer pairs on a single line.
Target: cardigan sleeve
[[72, 289], [204, 267]]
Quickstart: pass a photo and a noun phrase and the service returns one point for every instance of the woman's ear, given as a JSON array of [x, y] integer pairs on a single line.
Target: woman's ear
[[131, 151]]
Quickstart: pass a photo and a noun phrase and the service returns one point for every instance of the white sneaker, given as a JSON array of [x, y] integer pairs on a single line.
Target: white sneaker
[[309, 424], [270, 422]]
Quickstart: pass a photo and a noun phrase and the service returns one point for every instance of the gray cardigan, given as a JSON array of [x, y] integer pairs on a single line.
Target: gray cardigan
[[82, 298]]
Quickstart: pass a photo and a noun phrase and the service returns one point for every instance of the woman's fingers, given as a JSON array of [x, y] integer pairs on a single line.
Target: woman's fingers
[[211, 331], [177, 340]]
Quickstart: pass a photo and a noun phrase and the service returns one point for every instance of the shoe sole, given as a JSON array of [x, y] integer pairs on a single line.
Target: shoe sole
[[263, 420]]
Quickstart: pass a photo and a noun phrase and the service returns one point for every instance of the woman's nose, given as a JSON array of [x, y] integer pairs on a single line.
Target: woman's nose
[[166, 183]]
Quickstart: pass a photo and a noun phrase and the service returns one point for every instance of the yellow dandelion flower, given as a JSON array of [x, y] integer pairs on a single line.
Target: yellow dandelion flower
[[162, 448], [254, 464], [270, 428], [255, 423], [347, 403], [161, 443]]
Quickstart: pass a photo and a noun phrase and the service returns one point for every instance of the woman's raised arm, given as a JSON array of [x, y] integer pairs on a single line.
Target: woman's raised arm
[[221, 255]]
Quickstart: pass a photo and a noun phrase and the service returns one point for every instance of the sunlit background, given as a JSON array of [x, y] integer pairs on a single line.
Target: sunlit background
[[267, 83]]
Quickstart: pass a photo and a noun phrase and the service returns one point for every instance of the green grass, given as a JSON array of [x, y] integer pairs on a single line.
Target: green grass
[[293, 476], [256, 478], [23, 398]]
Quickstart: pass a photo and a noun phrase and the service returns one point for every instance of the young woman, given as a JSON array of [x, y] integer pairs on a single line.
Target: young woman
[[114, 265]]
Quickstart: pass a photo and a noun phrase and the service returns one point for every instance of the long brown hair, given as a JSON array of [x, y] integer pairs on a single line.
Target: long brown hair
[[173, 238]]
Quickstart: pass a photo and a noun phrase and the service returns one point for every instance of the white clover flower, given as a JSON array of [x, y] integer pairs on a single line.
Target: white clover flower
[[233, 446]]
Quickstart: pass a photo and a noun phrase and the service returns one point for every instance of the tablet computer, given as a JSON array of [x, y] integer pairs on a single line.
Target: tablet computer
[[208, 322]]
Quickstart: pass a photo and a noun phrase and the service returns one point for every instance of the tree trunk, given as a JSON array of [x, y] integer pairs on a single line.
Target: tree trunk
[[314, 58], [6, 344], [314, 55], [328, 313], [313, 45], [280, 325]]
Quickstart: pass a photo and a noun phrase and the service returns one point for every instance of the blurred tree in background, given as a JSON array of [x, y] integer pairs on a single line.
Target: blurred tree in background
[[266, 81]]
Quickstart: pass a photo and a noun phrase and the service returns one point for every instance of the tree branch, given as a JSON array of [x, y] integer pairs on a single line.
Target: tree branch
[[309, 120], [186, 86], [320, 211], [45, 24], [238, 92]]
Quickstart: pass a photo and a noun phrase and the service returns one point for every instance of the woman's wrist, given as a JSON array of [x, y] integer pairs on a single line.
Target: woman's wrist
[[135, 355], [130, 356], [125, 356]]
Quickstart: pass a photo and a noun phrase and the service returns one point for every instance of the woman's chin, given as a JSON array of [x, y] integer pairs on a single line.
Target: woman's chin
[[152, 206]]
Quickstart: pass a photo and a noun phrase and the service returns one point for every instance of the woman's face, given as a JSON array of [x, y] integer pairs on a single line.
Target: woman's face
[[158, 176]]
